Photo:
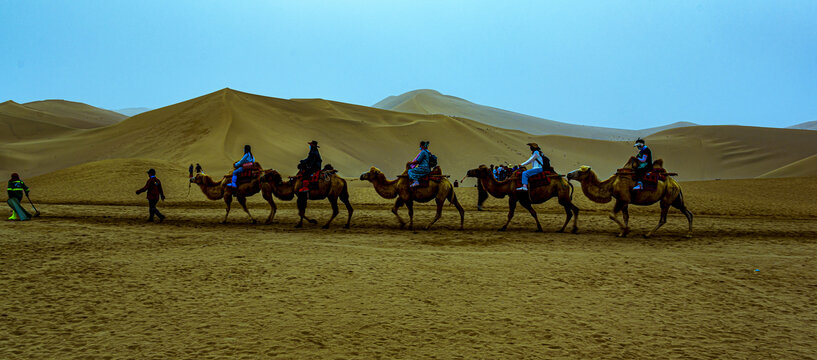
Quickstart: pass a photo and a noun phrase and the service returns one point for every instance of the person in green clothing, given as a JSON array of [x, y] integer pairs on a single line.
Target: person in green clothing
[[16, 188]]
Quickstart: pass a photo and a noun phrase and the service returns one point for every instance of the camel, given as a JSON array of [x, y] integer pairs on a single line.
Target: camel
[[619, 187], [559, 187], [436, 190], [219, 190], [332, 188]]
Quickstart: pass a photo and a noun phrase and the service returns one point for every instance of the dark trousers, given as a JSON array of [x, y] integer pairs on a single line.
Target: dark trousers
[[154, 210]]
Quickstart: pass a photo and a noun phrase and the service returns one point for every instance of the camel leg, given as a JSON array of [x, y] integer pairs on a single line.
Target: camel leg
[[440, 204], [228, 199], [410, 207], [460, 209], [625, 212], [614, 216], [243, 201], [661, 221], [302, 198], [273, 207], [679, 204], [482, 195], [397, 204], [344, 197], [575, 218], [568, 215], [529, 206], [511, 209], [334, 202]]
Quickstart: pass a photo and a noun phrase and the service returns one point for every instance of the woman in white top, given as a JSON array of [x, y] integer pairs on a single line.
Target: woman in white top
[[540, 163]]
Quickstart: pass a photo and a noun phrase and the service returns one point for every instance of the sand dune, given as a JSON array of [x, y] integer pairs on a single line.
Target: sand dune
[[811, 125], [432, 102], [49, 119], [82, 116], [799, 168], [132, 111], [213, 128]]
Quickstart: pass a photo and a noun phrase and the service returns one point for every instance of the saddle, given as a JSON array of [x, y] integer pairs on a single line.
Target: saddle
[[312, 182], [650, 178], [541, 179], [249, 173], [435, 175]]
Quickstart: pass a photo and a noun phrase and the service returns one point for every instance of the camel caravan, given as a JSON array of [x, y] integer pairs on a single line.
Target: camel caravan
[[640, 182]]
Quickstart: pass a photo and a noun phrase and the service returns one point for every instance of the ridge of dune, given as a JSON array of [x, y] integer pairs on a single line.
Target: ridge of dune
[[83, 116], [426, 101], [809, 125], [806, 167]]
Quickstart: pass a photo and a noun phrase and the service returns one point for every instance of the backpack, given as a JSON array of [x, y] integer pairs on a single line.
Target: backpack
[[432, 161]]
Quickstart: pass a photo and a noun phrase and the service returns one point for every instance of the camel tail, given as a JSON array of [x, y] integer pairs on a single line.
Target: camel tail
[[571, 190]]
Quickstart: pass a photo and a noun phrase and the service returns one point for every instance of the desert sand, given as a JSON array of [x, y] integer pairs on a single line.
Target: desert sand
[[87, 281], [91, 279]]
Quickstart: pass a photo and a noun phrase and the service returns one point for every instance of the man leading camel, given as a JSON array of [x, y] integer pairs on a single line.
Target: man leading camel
[[540, 163], [644, 158], [239, 166]]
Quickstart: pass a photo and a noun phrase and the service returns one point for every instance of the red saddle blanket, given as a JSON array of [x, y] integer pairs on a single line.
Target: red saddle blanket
[[541, 179], [313, 181], [249, 173]]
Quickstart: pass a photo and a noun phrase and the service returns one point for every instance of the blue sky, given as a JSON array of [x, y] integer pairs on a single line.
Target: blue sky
[[629, 64]]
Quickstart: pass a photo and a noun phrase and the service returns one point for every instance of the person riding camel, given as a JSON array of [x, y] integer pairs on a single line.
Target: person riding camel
[[644, 158], [16, 187], [539, 162], [420, 165], [239, 166], [310, 166], [313, 161]]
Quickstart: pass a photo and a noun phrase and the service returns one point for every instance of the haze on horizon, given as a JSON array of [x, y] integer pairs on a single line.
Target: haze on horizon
[[628, 64]]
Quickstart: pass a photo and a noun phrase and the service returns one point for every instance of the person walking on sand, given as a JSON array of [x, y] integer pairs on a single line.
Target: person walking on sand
[[154, 190], [16, 187], [198, 168]]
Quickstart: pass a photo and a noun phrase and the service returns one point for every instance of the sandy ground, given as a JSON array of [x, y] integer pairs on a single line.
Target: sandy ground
[[96, 281]]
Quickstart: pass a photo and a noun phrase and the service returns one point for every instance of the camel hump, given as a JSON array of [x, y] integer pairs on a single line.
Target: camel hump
[[658, 163]]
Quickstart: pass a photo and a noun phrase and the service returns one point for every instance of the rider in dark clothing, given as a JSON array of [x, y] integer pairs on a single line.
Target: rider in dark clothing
[[313, 161], [644, 158]]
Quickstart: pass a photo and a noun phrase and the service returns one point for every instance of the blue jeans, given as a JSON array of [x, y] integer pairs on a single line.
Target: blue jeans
[[528, 173], [235, 174]]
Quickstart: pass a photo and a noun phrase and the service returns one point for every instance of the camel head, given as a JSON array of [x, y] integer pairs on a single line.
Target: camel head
[[198, 179], [579, 174], [371, 174], [480, 172]]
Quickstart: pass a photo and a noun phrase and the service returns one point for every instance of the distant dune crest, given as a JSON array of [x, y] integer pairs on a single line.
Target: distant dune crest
[[426, 101]]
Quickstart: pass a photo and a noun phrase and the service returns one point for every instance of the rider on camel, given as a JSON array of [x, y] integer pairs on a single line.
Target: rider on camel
[[420, 165], [540, 163], [313, 161], [247, 159], [644, 158]]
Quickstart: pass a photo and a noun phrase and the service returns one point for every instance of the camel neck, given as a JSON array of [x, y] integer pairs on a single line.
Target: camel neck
[[598, 191], [384, 187], [494, 187], [211, 189]]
